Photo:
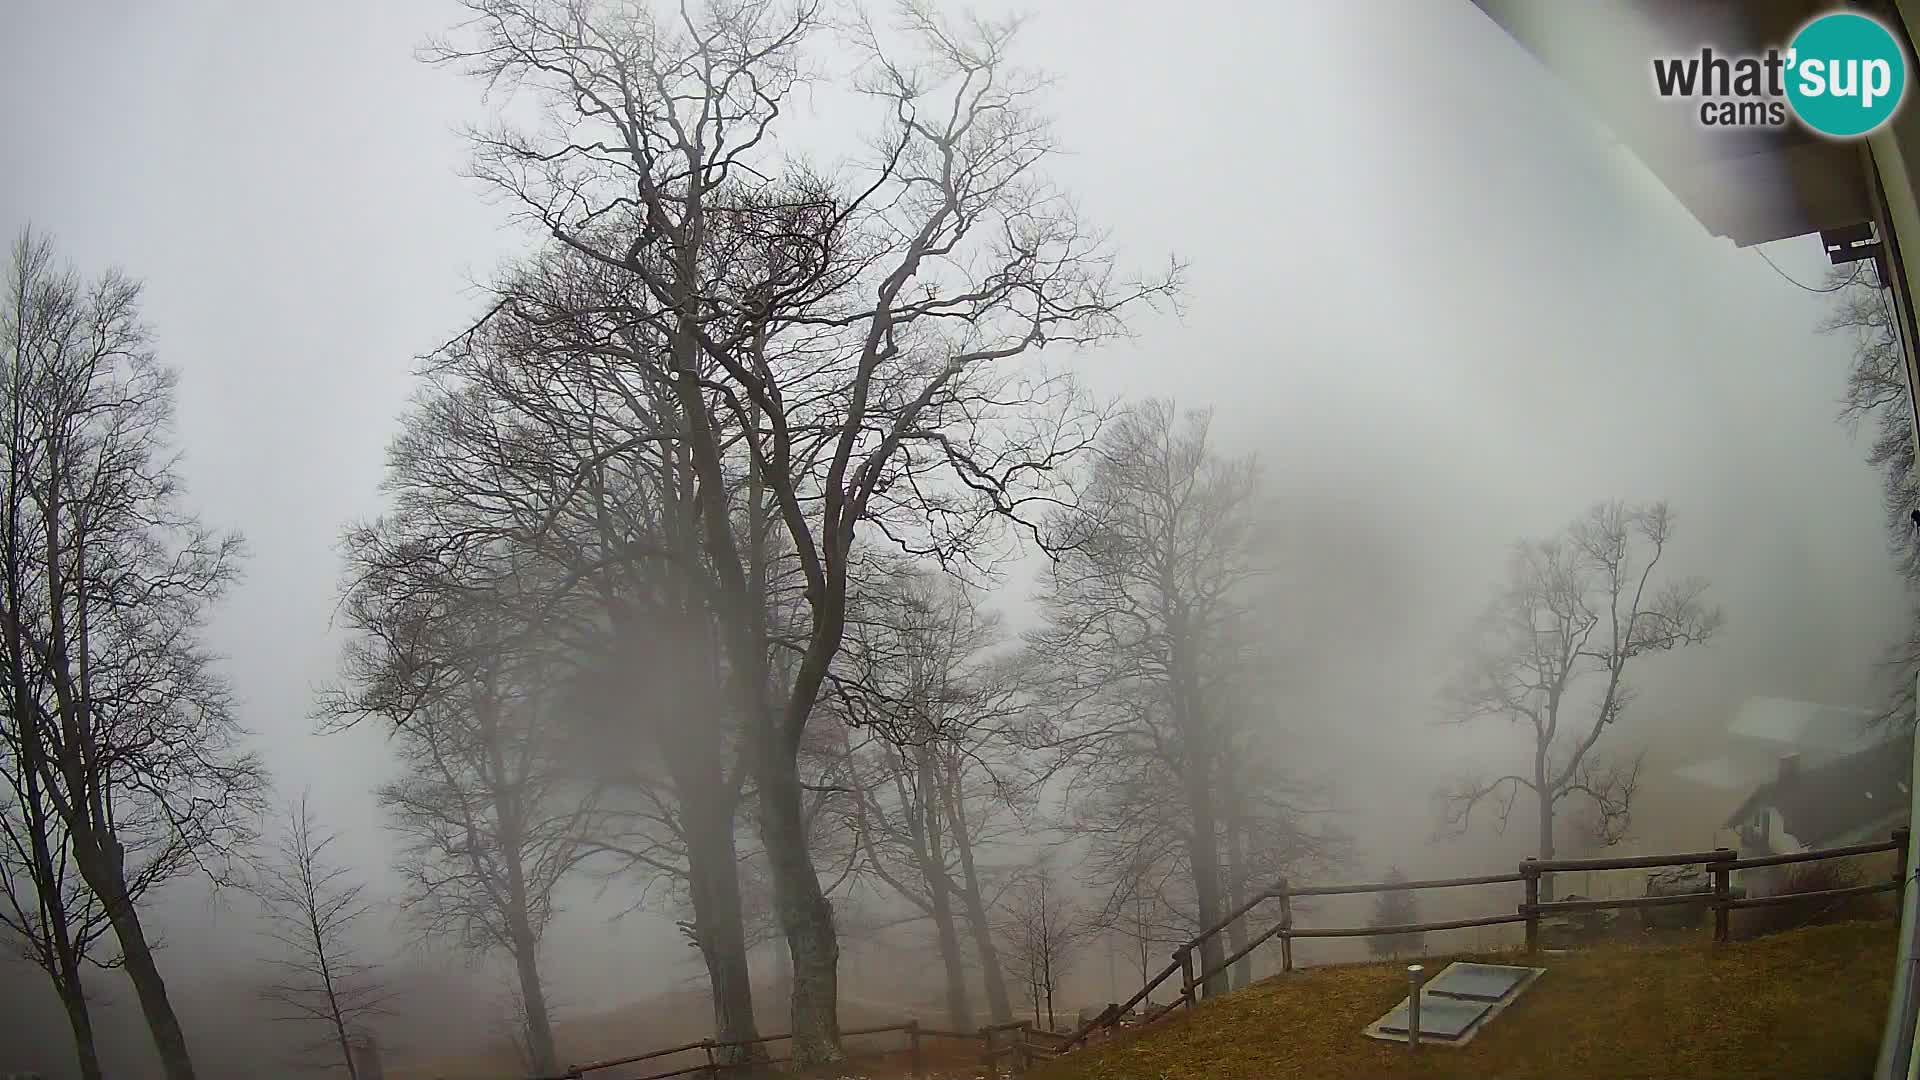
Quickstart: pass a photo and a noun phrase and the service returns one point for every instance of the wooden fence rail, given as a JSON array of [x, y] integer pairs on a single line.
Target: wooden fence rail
[[712, 1067], [1023, 1043], [1719, 863]]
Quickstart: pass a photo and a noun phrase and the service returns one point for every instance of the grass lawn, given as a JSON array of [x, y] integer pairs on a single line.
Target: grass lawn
[[1801, 1004]]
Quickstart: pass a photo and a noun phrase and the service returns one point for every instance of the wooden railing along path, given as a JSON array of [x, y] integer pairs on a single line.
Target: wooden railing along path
[[1022, 1042], [1018, 1041], [1720, 863]]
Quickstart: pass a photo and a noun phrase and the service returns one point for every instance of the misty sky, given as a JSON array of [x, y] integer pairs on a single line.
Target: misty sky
[[1445, 312]]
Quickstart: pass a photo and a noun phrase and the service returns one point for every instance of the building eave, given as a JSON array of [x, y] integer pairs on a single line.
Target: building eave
[[1751, 185]]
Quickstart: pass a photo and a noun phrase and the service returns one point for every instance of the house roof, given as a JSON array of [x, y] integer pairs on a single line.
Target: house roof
[[1764, 728], [1723, 773], [1752, 185], [1823, 802], [1829, 730]]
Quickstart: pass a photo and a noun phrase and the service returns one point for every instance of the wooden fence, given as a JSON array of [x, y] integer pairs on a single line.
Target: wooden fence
[[1720, 864], [1019, 1042]]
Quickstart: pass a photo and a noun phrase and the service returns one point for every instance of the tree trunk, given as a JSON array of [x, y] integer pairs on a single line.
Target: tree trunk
[[1203, 852], [81, 1021], [805, 914], [101, 866], [999, 1002], [509, 816], [1546, 821], [939, 894], [959, 1005], [714, 870], [1242, 972], [782, 969], [533, 997], [803, 911], [1198, 771], [345, 1042]]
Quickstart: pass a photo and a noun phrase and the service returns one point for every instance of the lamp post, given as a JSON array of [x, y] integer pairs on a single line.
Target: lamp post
[[1416, 975]]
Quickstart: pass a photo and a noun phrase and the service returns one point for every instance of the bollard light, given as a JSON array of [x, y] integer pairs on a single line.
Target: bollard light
[[1416, 975]]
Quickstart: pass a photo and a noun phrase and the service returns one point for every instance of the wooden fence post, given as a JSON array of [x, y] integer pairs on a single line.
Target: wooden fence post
[[1901, 869], [986, 1050], [1286, 925], [915, 1063], [1185, 956], [1531, 909], [1023, 1057], [1722, 894], [713, 1070]]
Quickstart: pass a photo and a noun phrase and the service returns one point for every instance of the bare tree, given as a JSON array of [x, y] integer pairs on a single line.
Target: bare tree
[[843, 337], [491, 814], [312, 907], [1576, 609], [53, 917], [1136, 910], [117, 719], [939, 776], [1145, 656], [526, 442], [1043, 928]]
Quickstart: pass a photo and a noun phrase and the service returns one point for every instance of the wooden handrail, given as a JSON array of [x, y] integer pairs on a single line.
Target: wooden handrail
[[1241, 953], [1817, 854], [1392, 886], [1721, 861], [610, 1063], [1402, 928], [1672, 899], [881, 1030], [594, 1066], [1818, 894], [1140, 995], [1258, 899], [1688, 858]]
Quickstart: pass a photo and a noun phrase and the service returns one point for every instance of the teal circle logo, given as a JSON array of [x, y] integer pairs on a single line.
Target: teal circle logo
[[1846, 74]]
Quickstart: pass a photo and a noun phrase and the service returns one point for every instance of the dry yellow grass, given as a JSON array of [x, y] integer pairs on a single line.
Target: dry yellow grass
[[1802, 1004]]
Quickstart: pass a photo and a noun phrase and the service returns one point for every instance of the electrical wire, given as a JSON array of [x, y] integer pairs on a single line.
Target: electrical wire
[[1851, 279]]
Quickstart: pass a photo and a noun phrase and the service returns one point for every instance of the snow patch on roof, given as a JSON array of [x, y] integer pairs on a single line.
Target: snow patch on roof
[[1803, 724], [1721, 772]]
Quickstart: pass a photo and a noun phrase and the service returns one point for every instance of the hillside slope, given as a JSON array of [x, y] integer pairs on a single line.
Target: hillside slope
[[1806, 1003]]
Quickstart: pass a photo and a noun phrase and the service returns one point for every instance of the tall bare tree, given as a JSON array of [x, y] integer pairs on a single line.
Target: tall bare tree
[[1043, 929], [526, 440], [1144, 652], [844, 337], [1549, 656], [119, 723], [51, 915], [312, 907], [939, 776], [491, 813]]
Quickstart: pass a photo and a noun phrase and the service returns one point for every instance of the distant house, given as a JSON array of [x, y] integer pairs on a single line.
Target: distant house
[[1849, 799]]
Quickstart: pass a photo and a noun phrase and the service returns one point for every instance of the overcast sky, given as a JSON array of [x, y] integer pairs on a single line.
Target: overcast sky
[[1445, 312]]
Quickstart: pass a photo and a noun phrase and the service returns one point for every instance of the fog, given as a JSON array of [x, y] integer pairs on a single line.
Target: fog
[[1444, 312]]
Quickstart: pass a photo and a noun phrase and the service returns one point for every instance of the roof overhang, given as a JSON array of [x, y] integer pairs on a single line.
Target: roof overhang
[[1752, 185]]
